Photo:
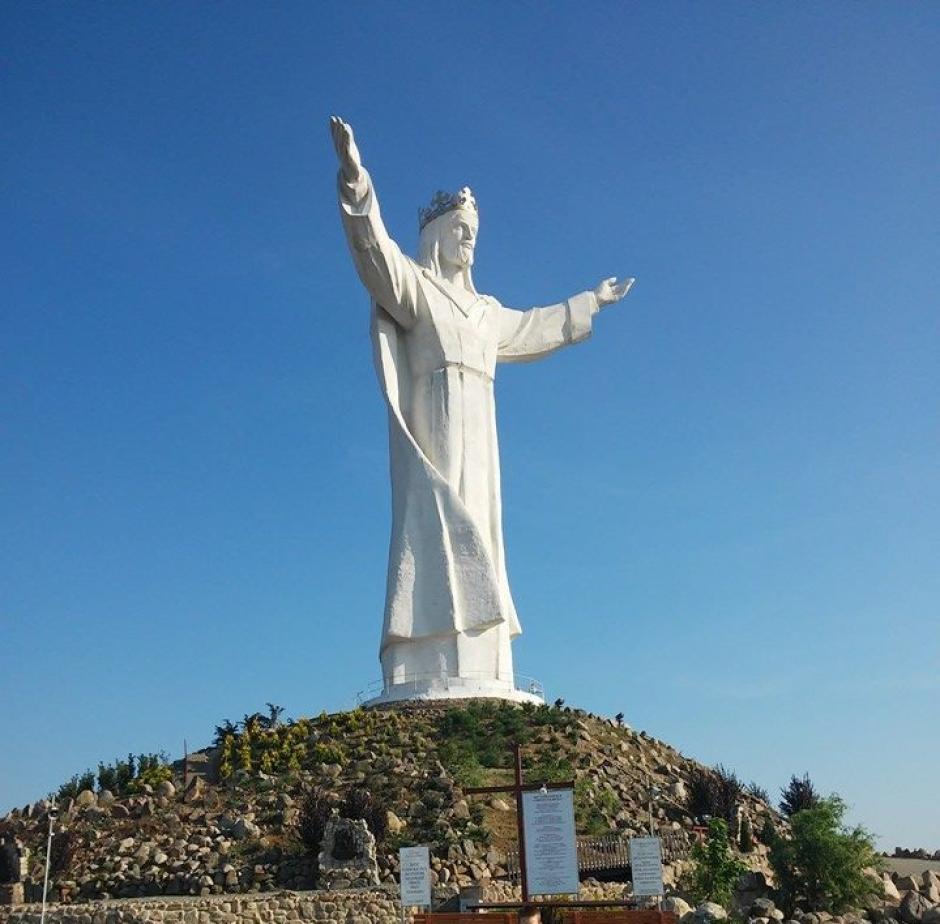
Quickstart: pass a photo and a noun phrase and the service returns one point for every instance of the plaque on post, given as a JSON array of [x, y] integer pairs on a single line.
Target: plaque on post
[[646, 865], [551, 851], [415, 868]]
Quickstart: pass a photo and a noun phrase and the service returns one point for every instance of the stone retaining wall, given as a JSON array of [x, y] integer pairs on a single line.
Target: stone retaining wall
[[349, 907]]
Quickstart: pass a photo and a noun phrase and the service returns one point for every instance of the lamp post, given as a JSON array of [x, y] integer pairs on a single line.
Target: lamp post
[[53, 813], [653, 791]]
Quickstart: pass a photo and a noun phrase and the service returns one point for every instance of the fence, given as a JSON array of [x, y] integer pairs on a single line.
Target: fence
[[608, 857]]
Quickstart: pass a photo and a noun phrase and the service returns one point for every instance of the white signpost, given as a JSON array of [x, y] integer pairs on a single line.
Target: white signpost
[[415, 866], [646, 863], [551, 850]]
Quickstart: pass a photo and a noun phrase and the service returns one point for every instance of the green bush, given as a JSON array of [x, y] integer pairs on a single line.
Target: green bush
[[715, 870], [326, 754], [590, 805], [822, 864]]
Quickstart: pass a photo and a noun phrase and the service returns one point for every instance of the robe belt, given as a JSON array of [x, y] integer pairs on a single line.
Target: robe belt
[[462, 368]]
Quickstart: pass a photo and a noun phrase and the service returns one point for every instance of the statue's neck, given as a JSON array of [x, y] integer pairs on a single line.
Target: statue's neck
[[459, 276]]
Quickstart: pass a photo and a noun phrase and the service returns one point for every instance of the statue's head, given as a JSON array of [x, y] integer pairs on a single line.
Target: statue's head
[[449, 229]]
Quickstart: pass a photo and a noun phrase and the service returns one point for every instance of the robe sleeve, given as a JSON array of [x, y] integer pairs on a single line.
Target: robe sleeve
[[390, 277], [532, 334]]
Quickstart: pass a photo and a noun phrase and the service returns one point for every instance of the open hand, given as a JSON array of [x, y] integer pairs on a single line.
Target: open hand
[[346, 151], [609, 290]]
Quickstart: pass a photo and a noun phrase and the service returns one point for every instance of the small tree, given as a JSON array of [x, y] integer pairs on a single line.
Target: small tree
[[758, 792], [746, 837], [315, 809], [274, 715], [362, 804], [797, 795], [715, 870], [714, 793], [823, 864]]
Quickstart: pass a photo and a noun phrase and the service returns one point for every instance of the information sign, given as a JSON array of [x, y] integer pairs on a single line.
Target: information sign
[[646, 863], [415, 866], [551, 850]]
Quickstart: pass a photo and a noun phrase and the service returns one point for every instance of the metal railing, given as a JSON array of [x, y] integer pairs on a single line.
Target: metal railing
[[611, 853], [438, 680]]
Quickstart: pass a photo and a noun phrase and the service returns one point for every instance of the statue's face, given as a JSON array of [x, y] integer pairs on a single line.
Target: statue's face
[[459, 238]]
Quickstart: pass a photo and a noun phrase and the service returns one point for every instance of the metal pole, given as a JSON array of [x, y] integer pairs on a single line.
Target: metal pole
[[523, 873], [45, 884], [649, 789]]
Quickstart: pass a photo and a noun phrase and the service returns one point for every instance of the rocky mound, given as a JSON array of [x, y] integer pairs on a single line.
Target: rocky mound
[[229, 820]]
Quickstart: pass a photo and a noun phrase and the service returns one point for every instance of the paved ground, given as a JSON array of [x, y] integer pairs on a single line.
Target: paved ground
[[910, 867]]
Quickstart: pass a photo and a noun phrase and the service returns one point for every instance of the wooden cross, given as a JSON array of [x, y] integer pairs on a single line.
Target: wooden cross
[[517, 789]]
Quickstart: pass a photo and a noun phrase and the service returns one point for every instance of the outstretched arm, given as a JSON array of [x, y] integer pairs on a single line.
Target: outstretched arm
[[528, 335], [385, 271]]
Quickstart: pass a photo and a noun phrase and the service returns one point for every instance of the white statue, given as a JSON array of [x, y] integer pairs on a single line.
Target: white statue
[[449, 614]]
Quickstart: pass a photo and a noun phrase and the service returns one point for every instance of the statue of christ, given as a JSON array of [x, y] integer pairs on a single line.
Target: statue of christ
[[449, 613]]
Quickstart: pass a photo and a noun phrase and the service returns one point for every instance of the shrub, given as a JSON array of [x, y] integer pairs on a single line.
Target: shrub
[[151, 775], [326, 754], [758, 792], [715, 871], [68, 790], [589, 807], [767, 833], [746, 837], [549, 768], [714, 794], [316, 806], [62, 852], [360, 803], [822, 864], [798, 795], [9, 857]]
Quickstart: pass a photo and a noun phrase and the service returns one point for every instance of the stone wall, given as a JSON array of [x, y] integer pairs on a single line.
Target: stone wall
[[351, 907]]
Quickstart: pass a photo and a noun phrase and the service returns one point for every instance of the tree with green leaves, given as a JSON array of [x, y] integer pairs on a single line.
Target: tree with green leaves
[[797, 795], [823, 865], [715, 871]]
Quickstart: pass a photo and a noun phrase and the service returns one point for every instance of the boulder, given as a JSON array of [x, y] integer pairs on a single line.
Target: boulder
[[908, 883], [913, 908], [86, 798], [708, 912], [394, 824], [166, 790], [931, 915], [761, 908], [677, 906], [243, 828], [891, 892], [499, 805]]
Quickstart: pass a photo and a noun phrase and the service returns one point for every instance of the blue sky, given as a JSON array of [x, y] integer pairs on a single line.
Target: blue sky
[[722, 513]]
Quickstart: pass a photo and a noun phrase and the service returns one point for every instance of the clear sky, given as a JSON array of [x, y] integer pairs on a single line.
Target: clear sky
[[722, 513]]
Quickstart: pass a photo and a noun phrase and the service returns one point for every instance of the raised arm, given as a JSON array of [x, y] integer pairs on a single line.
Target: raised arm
[[385, 271], [528, 335]]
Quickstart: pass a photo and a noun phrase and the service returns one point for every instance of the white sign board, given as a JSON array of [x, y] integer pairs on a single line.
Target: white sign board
[[415, 866], [551, 849], [646, 863]]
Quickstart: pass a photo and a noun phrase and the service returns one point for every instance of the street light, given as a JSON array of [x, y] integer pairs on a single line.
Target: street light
[[653, 792], [53, 813]]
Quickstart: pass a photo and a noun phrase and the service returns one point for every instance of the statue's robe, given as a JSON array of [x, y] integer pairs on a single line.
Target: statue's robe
[[448, 609]]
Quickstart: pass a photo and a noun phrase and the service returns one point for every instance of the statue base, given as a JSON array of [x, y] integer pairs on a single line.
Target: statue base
[[443, 687]]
